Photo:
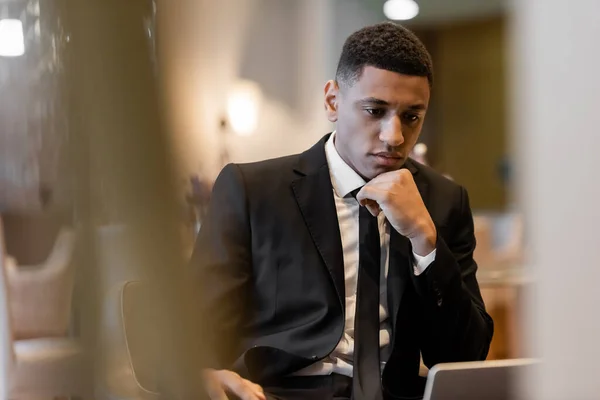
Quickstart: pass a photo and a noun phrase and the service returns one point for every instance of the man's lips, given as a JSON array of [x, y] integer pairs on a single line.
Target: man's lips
[[388, 159], [396, 156]]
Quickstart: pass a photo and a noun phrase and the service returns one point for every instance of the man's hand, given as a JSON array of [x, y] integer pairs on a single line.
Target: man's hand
[[220, 383], [396, 194]]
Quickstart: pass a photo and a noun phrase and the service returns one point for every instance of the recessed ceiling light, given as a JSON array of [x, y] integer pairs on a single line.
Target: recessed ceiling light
[[12, 42], [400, 10]]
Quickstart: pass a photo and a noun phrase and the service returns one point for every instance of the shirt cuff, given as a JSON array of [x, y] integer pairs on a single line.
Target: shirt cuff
[[422, 262]]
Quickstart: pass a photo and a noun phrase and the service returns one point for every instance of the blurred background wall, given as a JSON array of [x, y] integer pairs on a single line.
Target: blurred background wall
[[468, 129], [210, 47]]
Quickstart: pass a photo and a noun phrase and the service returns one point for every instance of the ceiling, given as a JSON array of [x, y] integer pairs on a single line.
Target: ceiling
[[433, 12]]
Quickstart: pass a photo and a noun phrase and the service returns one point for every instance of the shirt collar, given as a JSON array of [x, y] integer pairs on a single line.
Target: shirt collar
[[343, 178]]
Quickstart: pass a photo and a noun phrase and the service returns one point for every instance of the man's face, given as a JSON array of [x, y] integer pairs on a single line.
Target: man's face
[[378, 119]]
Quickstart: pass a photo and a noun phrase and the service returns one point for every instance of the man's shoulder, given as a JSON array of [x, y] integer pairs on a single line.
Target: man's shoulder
[[273, 167], [435, 180], [274, 171], [270, 165]]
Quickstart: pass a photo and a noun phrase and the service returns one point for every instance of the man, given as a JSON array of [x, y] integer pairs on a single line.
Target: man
[[307, 294]]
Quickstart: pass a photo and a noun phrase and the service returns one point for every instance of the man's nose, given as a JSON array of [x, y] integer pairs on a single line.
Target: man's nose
[[391, 134]]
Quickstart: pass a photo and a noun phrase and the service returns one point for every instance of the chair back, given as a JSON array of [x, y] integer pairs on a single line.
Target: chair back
[[31, 236], [142, 334], [41, 295], [130, 364]]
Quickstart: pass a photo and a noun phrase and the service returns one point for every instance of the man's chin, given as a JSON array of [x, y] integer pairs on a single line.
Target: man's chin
[[380, 168], [377, 170]]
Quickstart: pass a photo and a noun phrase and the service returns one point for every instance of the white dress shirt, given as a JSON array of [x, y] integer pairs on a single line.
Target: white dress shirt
[[344, 180]]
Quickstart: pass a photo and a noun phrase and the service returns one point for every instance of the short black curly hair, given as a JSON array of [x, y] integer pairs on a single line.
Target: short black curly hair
[[386, 46]]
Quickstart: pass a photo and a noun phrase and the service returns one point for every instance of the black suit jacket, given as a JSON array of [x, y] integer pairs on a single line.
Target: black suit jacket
[[272, 275]]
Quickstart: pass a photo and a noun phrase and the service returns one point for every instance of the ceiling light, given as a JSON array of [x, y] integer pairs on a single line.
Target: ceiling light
[[400, 10], [12, 42]]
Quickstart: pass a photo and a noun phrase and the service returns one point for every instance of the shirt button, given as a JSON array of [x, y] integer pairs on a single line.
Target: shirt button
[[439, 302]]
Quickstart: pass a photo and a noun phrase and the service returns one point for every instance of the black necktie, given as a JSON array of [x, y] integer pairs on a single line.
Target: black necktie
[[366, 383]]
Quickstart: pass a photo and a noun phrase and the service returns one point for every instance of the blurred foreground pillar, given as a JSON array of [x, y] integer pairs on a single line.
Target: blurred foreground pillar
[[556, 93], [125, 176]]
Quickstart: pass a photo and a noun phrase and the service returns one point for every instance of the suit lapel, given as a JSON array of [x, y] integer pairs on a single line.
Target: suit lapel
[[314, 195]]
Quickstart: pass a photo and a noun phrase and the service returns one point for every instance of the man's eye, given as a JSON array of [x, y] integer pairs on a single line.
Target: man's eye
[[376, 112], [411, 118]]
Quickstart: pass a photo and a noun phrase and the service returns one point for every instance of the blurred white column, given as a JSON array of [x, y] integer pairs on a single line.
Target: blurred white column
[[556, 93], [200, 45], [316, 48]]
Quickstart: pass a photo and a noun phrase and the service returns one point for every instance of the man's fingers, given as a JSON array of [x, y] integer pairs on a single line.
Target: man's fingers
[[370, 197], [389, 179], [384, 178], [214, 390], [259, 391], [219, 383], [372, 206], [242, 388], [368, 193]]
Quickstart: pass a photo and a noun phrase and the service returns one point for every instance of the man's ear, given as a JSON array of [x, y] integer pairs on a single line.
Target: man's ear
[[332, 92]]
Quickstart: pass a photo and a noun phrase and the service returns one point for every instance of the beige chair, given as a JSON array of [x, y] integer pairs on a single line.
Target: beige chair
[[130, 346], [40, 367], [31, 236], [40, 295]]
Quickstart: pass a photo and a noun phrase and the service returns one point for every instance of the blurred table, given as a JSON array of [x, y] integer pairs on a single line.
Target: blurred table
[[502, 289], [498, 277]]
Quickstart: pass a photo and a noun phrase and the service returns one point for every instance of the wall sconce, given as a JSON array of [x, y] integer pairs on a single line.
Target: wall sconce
[[12, 40], [243, 107]]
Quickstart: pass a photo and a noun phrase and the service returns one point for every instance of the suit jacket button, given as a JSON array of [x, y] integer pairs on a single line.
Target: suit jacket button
[[439, 302], [314, 357]]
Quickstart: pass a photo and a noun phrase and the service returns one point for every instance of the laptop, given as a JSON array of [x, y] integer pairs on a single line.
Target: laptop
[[489, 380]]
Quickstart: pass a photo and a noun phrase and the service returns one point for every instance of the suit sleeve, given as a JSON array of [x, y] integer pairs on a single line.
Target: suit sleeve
[[222, 258], [455, 325]]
